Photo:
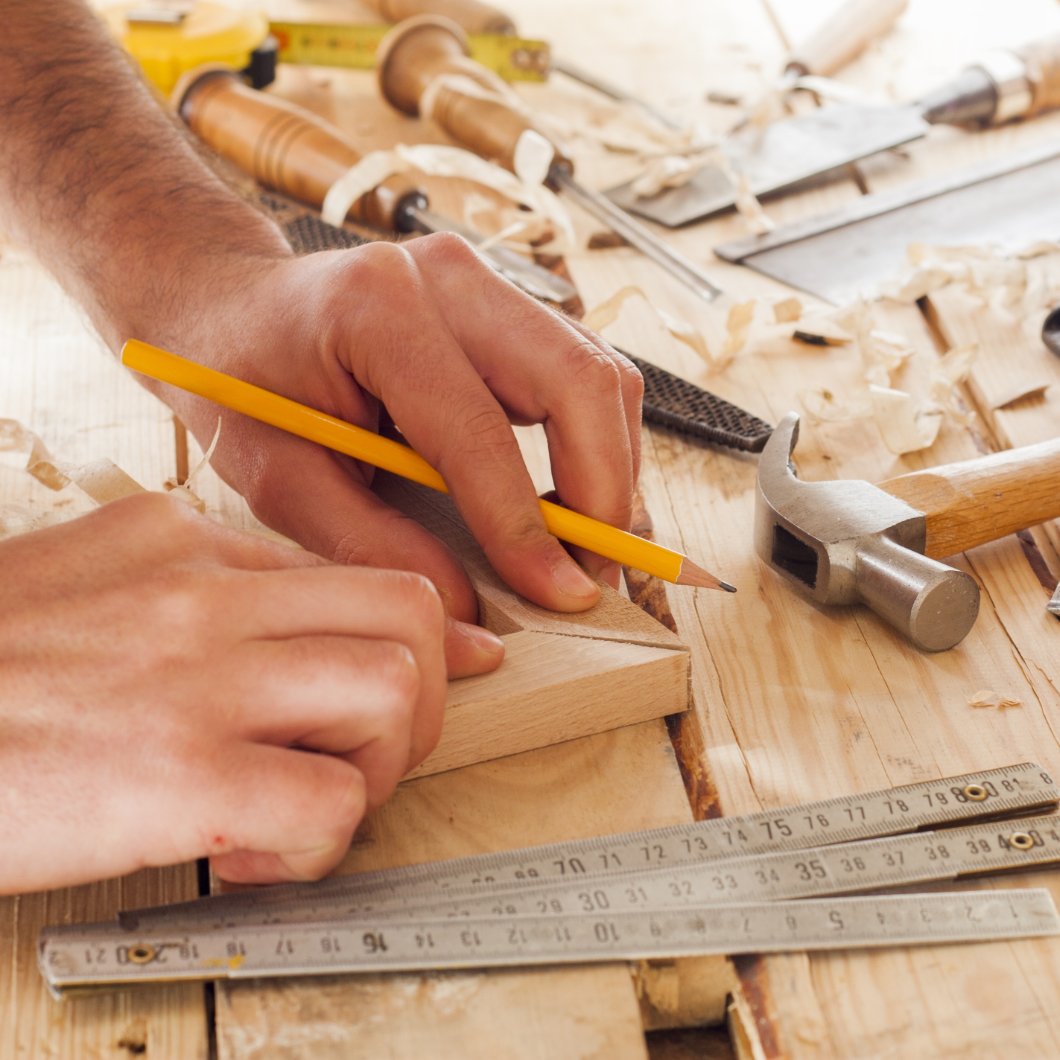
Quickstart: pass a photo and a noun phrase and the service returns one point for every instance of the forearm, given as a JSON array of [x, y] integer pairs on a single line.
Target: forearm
[[100, 184]]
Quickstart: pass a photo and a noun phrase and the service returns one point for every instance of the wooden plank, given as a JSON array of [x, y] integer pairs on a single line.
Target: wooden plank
[[566, 791], [552, 688], [503, 611]]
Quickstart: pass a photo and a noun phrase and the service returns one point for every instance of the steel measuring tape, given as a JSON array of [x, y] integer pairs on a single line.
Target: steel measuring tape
[[455, 914]]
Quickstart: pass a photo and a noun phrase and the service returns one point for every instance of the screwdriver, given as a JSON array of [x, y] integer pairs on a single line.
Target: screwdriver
[[420, 61]]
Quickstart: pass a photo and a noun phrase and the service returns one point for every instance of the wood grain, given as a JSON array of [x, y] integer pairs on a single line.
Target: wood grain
[[552, 688], [982, 499]]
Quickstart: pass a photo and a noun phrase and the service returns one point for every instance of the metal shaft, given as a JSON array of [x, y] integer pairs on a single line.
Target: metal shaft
[[637, 235]]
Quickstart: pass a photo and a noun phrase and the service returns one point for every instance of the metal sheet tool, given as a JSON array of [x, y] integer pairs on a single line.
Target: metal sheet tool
[[1007, 202]]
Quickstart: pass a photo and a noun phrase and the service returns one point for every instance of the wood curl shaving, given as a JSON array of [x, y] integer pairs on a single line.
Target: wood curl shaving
[[987, 698], [183, 490], [997, 279], [101, 480], [607, 312], [906, 423]]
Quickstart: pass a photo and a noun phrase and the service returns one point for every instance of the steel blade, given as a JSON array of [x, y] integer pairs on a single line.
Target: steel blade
[[779, 156], [1006, 202]]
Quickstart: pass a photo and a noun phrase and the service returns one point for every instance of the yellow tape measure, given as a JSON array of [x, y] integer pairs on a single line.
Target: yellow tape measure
[[169, 37], [513, 58]]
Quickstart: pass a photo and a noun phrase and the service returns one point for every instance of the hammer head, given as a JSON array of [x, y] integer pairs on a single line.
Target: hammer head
[[847, 542]]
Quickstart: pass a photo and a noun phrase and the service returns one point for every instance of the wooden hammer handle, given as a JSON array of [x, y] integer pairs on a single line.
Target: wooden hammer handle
[[417, 52], [976, 501], [1042, 60], [281, 145], [470, 15], [846, 35]]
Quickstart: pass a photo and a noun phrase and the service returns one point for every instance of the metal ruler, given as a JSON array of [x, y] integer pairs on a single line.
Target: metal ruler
[[387, 946], [992, 793], [547, 904], [354, 46]]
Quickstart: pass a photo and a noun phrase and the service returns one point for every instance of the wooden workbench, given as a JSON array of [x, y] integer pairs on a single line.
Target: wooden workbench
[[791, 702]]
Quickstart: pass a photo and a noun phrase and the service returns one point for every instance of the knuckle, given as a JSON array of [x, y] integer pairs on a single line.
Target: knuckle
[[400, 676], [632, 381], [590, 368], [449, 248]]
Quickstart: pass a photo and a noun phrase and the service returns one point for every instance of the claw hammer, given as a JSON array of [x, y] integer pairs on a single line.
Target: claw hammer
[[848, 541]]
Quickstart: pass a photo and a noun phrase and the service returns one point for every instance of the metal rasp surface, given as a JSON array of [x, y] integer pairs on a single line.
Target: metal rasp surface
[[1007, 202], [669, 401]]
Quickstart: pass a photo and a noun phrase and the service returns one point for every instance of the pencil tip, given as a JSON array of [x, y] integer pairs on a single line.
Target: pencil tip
[[693, 574]]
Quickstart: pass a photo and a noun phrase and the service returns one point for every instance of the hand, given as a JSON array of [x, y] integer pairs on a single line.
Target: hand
[[456, 354], [164, 682]]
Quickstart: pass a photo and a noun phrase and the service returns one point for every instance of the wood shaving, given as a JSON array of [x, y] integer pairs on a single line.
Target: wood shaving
[[789, 309], [440, 160], [101, 480], [992, 277], [184, 491], [738, 325], [668, 171], [607, 312], [821, 330], [987, 698], [758, 221], [906, 423], [1019, 393]]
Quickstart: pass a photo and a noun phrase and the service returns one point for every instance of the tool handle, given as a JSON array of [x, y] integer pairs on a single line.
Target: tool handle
[[845, 35], [419, 50], [1042, 60], [281, 145], [976, 501], [470, 15]]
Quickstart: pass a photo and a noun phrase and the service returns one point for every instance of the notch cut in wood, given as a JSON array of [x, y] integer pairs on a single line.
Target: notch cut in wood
[[563, 677]]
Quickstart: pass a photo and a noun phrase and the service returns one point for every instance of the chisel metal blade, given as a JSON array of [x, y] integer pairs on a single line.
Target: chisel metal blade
[[779, 156]]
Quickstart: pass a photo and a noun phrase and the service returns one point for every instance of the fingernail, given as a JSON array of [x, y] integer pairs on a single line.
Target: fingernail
[[483, 639], [571, 580]]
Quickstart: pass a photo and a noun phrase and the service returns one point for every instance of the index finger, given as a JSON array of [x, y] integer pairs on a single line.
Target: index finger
[[445, 409]]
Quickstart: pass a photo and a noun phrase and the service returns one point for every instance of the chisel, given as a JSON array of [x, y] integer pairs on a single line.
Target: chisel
[[287, 148], [1004, 85], [423, 69]]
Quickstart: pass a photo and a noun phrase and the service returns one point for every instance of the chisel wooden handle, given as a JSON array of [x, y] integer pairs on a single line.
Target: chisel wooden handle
[[280, 144], [845, 35], [1042, 61], [470, 15], [976, 501], [418, 51]]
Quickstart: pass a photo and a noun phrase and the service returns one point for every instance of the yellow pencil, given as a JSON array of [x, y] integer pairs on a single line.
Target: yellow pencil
[[391, 456]]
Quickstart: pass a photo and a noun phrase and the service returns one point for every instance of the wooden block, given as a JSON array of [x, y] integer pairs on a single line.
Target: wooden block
[[501, 609], [550, 689]]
